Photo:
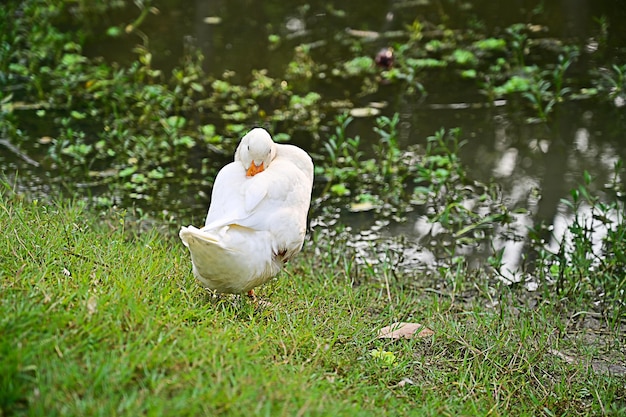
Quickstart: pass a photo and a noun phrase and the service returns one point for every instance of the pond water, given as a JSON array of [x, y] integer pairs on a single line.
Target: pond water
[[536, 164]]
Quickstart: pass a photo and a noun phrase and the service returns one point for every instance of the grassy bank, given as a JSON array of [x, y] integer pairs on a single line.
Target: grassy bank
[[98, 318]]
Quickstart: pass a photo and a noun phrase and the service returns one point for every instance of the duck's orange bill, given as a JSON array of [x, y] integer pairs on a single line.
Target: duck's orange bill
[[254, 169]]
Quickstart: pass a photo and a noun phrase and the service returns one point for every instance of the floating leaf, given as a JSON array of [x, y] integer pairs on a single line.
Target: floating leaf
[[114, 31], [128, 171], [212, 20], [77, 115], [340, 189], [364, 206], [364, 112], [363, 33], [176, 122], [464, 57], [491, 44], [402, 330], [470, 73], [426, 63], [359, 65]]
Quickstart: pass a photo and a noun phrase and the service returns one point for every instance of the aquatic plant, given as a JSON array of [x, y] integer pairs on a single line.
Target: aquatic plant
[[429, 179], [589, 264]]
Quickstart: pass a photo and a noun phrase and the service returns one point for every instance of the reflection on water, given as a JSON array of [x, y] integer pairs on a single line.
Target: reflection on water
[[536, 166]]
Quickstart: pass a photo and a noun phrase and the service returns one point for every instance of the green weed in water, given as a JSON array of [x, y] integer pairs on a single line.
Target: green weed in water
[[589, 266]]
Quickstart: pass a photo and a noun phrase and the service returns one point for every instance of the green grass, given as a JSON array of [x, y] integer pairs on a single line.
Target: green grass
[[99, 318]]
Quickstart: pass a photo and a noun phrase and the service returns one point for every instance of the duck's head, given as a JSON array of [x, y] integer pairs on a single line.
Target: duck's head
[[256, 151]]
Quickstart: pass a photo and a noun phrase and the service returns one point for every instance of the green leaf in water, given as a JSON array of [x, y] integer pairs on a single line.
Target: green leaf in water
[[340, 189], [359, 65], [77, 115], [491, 44], [128, 171], [464, 57], [176, 122], [426, 63], [470, 73], [114, 31]]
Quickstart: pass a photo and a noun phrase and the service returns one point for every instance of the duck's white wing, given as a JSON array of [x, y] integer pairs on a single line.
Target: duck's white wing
[[226, 182], [234, 196], [283, 190], [283, 210], [300, 159]]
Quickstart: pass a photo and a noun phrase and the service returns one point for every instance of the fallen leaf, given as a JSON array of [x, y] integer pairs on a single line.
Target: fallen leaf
[[406, 381], [366, 206], [378, 104], [562, 356], [364, 112], [402, 330], [363, 33], [92, 305], [212, 20]]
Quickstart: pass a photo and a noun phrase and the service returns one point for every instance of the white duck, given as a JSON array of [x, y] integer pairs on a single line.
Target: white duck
[[257, 217]]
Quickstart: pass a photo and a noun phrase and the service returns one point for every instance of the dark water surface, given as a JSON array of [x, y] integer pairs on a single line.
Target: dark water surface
[[536, 164]]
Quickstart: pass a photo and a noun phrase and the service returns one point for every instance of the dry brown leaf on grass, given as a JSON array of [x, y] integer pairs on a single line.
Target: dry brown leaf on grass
[[405, 381], [402, 330], [92, 305]]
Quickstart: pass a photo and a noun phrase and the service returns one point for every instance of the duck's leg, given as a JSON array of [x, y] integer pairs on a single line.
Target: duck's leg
[[252, 295]]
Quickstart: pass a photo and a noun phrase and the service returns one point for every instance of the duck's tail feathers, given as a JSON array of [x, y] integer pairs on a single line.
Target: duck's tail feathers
[[190, 231]]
